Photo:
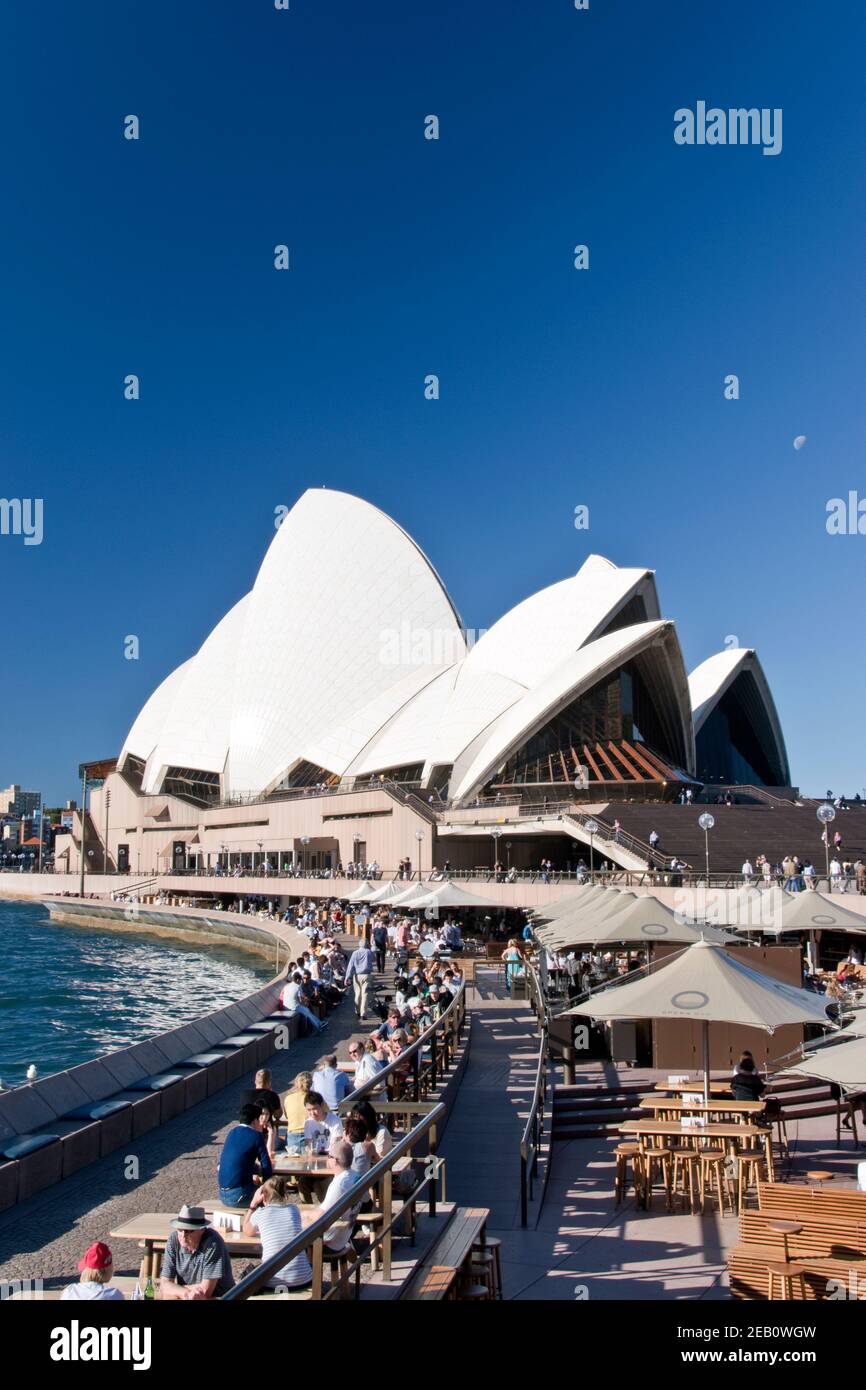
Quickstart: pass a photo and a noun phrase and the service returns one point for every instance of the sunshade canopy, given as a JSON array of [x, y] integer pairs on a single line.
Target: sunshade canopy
[[704, 982]]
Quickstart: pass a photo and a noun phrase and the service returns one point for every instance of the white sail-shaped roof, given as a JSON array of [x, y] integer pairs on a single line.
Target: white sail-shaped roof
[[348, 655], [710, 681]]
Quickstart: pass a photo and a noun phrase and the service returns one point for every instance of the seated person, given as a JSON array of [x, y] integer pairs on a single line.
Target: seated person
[[292, 1001], [323, 1127], [368, 1062], [278, 1221], [338, 1188], [747, 1084], [355, 1133], [332, 1084], [387, 1030], [378, 1133], [262, 1092], [243, 1149], [96, 1267], [196, 1263], [294, 1107]]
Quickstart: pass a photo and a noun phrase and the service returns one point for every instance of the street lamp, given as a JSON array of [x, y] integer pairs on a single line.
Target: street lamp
[[419, 836], [826, 815], [496, 834], [356, 840], [305, 840], [591, 828], [260, 843], [706, 822], [508, 855]]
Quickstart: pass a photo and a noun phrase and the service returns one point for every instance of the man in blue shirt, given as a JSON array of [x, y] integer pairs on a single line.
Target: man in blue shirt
[[332, 1084], [244, 1147], [362, 963]]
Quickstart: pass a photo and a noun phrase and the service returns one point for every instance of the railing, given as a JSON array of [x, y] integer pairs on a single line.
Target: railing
[[533, 1130], [379, 1177], [442, 1038]]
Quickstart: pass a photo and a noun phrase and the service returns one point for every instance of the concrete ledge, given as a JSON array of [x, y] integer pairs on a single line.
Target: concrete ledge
[[172, 1101], [80, 1147], [39, 1170], [8, 1185], [195, 1088], [115, 1131]]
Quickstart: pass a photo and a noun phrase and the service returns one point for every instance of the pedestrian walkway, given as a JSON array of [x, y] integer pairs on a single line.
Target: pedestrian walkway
[[482, 1141]]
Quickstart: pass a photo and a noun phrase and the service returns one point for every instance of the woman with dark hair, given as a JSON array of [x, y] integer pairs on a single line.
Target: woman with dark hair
[[378, 1133], [747, 1084]]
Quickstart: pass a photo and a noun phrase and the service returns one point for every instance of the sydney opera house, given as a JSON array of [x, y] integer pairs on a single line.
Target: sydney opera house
[[340, 696]]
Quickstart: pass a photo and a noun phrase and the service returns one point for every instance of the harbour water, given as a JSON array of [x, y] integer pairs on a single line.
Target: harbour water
[[69, 994]]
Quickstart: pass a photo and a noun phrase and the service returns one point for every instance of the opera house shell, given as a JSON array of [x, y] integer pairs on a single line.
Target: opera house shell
[[347, 660]]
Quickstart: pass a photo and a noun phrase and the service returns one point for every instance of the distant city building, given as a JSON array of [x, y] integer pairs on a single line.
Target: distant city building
[[15, 802]]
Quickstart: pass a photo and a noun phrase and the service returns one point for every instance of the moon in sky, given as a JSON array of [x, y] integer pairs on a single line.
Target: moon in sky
[[799, 441]]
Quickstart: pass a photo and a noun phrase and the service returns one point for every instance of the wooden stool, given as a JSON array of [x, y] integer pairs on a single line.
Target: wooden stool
[[786, 1272], [687, 1166], [664, 1158], [472, 1291], [713, 1171], [493, 1246], [819, 1176], [623, 1153], [482, 1268], [749, 1165], [338, 1262]]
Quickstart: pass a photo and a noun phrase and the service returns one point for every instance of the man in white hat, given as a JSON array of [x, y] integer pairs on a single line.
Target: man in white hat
[[196, 1263]]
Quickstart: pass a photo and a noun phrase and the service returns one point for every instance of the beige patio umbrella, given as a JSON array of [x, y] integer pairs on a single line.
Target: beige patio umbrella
[[387, 893], [811, 911], [704, 983], [450, 894], [841, 1060], [615, 902], [640, 922], [563, 907], [409, 897], [364, 894]]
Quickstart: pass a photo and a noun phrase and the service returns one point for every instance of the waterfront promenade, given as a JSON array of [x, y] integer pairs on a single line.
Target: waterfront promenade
[[46, 1236]]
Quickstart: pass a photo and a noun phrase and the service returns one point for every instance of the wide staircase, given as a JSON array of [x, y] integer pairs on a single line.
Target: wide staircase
[[774, 830], [592, 1111]]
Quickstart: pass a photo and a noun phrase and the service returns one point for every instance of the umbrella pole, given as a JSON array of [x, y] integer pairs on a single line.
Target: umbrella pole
[[706, 1042]]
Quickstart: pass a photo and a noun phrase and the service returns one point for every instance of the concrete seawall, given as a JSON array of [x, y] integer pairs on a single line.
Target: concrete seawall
[[276, 941]]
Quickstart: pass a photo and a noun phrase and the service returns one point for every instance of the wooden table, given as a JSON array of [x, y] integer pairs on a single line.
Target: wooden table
[[730, 1132], [717, 1088], [317, 1167], [152, 1230], [710, 1107]]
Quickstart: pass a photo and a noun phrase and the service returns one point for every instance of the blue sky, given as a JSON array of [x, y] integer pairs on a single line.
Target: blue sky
[[409, 256]]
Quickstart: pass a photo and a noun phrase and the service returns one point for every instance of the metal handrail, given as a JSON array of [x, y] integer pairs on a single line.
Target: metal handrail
[[314, 1235], [533, 1130], [451, 1021]]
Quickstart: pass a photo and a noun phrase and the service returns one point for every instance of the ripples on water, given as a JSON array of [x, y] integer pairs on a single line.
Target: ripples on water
[[69, 994]]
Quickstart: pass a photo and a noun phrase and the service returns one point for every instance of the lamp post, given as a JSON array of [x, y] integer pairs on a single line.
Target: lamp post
[[419, 836], [826, 815], [83, 825], [508, 855], [706, 822], [260, 844], [223, 867], [591, 828], [305, 840], [107, 805], [495, 834], [356, 840]]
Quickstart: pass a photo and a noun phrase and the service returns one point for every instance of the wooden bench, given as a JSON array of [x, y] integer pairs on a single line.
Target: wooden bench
[[437, 1277], [845, 1203], [828, 1246]]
